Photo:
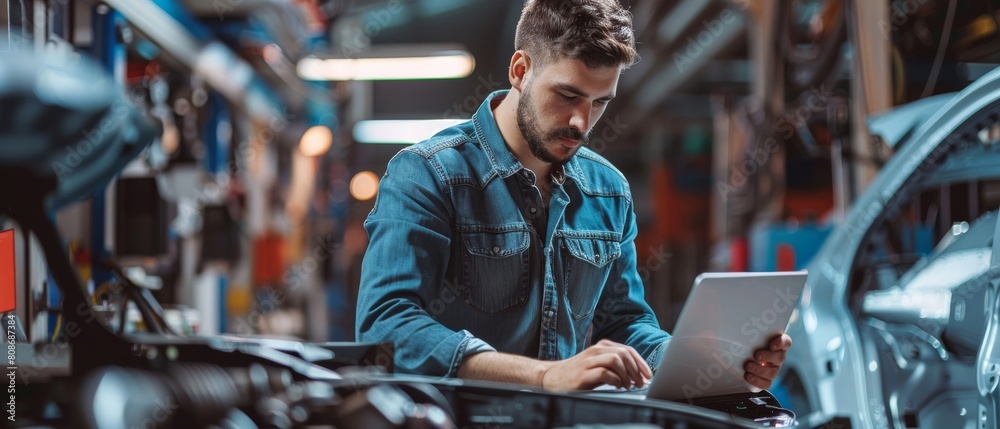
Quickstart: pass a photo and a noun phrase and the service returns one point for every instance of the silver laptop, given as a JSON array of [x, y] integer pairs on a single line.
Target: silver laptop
[[726, 318]]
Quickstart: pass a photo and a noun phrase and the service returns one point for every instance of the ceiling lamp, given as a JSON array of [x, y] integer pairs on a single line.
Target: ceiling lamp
[[395, 62], [400, 131]]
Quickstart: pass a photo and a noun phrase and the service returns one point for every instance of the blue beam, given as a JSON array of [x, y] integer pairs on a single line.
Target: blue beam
[[110, 52]]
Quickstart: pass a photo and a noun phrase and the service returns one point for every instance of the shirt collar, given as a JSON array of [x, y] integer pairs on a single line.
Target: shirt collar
[[488, 133], [502, 160]]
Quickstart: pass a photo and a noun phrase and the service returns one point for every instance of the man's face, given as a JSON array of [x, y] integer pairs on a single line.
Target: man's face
[[559, 105]]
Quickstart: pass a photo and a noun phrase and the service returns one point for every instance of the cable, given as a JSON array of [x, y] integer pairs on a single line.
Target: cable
[[123, 310], [149, 318], [56, 331], [942, 45], [148, 308]]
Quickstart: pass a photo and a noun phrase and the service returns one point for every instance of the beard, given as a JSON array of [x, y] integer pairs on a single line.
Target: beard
[[527, 123]]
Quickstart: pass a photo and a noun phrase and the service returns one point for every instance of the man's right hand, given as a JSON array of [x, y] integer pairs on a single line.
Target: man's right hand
[[606, 362]]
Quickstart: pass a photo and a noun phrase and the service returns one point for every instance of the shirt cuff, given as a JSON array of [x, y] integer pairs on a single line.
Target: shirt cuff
[[657, 355], [469, 346]]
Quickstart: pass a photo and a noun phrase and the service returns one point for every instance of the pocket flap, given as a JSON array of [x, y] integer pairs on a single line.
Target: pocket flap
[[595, 251], [496, 244]]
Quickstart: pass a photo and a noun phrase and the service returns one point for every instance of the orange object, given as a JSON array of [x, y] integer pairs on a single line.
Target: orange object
[[8, 290], [681, 216], [268, 260]]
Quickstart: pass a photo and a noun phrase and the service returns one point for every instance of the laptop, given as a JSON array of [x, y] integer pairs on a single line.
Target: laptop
[[726, 318]]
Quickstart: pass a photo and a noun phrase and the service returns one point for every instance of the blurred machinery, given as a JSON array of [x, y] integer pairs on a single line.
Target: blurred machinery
[[783, 92], [893, 304], [904, 293], [822, 97], [97, 373], [159, 151], [170, 151]]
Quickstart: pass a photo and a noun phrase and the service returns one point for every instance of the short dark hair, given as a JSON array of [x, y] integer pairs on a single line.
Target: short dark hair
[[598, 32]]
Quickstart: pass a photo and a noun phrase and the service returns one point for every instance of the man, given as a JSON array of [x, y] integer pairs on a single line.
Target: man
[[497, 244]]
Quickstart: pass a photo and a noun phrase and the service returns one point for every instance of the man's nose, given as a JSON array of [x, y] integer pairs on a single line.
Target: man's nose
[[581, 118]]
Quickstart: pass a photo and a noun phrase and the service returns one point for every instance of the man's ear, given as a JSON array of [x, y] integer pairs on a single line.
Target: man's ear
[[520, 64]]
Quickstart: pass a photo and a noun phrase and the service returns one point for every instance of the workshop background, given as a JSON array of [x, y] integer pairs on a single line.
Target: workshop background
[[747, 132]]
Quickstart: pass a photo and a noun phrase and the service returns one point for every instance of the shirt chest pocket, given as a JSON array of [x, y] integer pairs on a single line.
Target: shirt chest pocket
[[588, 262], [495, 270]]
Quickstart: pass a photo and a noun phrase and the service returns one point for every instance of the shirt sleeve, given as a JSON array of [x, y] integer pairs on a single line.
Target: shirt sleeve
[[403, 272], [622, 314]]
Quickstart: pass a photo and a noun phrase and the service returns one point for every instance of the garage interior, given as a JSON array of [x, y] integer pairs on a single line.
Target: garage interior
[[184, 186]]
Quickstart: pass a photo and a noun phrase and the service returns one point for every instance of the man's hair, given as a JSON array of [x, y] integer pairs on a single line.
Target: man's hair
[[597, 32]]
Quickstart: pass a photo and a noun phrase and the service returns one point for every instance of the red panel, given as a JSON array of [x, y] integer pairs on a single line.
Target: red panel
[[739, 254], [7, 287], [786, 257], [268, 260]]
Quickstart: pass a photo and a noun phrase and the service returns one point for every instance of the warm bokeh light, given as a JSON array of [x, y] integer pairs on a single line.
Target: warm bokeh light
[[364, 186], [170, 140], [316, 141], [301, 188]]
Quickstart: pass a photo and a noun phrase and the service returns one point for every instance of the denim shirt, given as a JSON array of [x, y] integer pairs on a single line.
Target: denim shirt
[[464, 257]]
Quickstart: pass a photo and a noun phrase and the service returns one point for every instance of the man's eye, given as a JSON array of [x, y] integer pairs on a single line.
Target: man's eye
[[567, 97], [600, 102]]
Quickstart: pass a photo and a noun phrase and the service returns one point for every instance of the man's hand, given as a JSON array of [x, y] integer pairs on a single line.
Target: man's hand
[[764, 368], [606, 362]]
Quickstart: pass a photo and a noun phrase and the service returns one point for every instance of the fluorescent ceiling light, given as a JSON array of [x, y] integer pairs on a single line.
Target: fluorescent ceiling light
[[400, 131], [399, 62]]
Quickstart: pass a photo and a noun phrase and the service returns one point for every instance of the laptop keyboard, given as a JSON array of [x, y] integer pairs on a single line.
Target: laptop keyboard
[[608, 388]]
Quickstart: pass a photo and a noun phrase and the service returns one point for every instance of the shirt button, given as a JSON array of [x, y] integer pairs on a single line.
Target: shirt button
[[496, 249], [551, 314], [533, 210]]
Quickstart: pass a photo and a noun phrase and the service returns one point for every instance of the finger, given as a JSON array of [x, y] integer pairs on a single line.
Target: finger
[[601, 348], [598, 376], [757, 381], [611, 362], [766, 372], [644, 369], [634, 376], [637, 367], [773, 358], [607, 343], [781, 343]]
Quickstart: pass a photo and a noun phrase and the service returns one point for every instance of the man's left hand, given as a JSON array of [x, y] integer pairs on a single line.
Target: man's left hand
[[764, 368]]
